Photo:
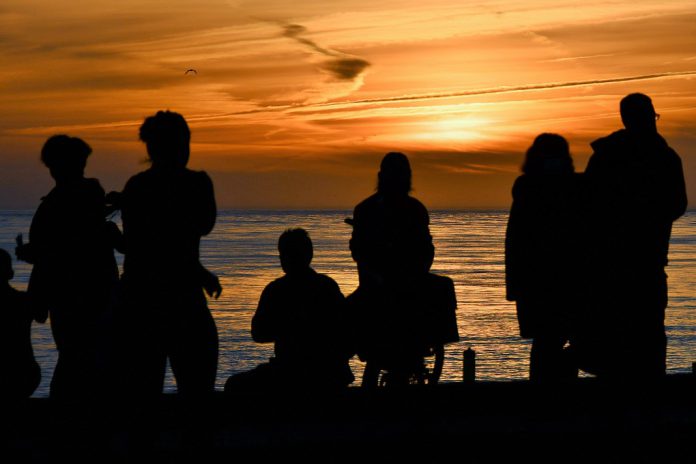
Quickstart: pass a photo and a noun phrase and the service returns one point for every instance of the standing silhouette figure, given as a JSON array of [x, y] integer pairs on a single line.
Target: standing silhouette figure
[[544, 258], [164, 314], [74, 273], [19, 372], [637, 190]]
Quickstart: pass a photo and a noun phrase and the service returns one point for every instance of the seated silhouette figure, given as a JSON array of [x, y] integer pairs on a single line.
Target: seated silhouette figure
[[303, 314], [545, 255], [74, 270], [403, 328], [391, 242], [19, 372], [404, 312]]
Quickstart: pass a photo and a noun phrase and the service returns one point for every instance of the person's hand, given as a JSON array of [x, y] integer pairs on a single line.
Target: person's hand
[[211, 284], [23, 251]]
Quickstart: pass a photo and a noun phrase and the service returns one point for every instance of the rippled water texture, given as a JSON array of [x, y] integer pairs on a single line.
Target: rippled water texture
[[242, 251]]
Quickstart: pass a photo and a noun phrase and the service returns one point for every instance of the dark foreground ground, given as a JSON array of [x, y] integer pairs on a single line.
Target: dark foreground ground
[[585, 421]]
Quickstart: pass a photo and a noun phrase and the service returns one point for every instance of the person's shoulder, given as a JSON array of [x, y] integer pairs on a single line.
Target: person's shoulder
[[197, 176], [417, 207], [325, 279], [520, 184], [440, 280], [610, 142], [276, 284], [138, 179], [93, 185], [669, 152], [366, 204]]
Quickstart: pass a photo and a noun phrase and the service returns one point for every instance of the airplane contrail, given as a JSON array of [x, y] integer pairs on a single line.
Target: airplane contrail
[[509, 89]]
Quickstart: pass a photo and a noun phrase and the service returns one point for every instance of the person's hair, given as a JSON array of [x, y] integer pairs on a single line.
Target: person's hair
[[65, 151], [6, 272], [394, 174], [637, 111], [295, 246], [167, 137], [548, 154]]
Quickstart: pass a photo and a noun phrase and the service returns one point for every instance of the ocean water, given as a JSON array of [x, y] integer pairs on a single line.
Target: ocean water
[[469, 249]]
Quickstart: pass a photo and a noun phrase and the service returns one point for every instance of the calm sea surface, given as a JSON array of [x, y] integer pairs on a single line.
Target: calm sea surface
[[242, 252]]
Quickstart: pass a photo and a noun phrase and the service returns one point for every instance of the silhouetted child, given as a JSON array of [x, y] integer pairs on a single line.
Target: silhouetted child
[[303, 314], [19, 374]]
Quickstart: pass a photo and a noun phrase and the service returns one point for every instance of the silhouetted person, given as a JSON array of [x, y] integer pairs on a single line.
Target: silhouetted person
[[74, 272], [391, 241], [544, 258], [638, 190], [19, 372], [304, 315], [396, 302], [164, 314], [398, 328]]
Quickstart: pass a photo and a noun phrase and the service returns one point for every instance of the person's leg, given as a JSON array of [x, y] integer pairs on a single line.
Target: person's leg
[[193, 353]]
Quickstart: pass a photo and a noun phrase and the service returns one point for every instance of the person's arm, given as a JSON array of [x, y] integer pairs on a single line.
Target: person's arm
[[210, 282], [206, 210], [263, 326], [676, 190], [512, 248]]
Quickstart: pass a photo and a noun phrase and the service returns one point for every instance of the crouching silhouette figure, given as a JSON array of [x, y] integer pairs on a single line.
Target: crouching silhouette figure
[[303, 314]]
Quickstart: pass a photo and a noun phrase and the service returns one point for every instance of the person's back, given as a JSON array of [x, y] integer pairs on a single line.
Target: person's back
[[391, 239], [19, 374], [544, 254], [303, 314], [637, 190], [165, 214], [544, 239]]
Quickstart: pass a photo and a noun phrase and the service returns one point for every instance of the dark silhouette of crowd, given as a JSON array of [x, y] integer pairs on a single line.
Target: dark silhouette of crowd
[[585, 258]]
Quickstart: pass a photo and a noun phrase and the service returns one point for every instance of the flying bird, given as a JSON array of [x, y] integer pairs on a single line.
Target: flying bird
[[191, 71]]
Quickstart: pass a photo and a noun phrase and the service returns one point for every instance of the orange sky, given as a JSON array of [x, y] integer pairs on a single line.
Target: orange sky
[[294, 103]]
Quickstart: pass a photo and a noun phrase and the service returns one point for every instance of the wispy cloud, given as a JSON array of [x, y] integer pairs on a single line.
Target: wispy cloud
[[342, 66]]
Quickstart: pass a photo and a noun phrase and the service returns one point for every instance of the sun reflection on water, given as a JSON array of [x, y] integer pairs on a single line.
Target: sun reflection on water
[[469, 249]]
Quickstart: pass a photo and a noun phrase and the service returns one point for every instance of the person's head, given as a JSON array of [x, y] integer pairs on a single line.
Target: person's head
[[6, 272], [394, 176], [638, 113], [296, 251], [65, 157], [549, 154], [167, 137]]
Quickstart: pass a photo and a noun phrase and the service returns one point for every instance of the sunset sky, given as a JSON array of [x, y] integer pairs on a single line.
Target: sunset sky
[[295, 103]]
